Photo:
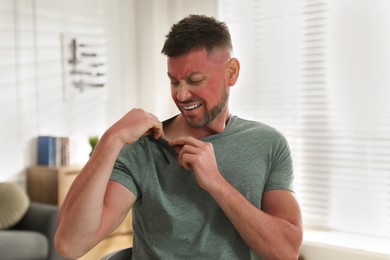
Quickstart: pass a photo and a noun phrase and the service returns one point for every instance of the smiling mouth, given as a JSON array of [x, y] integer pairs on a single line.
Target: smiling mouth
[[192, 107]]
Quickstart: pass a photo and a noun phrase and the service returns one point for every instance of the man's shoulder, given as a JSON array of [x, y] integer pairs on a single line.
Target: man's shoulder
[[255, 131], [239, 123]]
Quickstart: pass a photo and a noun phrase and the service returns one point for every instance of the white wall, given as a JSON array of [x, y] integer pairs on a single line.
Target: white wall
[[32, 97], [31, 84]]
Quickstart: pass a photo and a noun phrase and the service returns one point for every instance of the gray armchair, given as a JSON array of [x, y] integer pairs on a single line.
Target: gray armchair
[[32, 237], [124, 254]]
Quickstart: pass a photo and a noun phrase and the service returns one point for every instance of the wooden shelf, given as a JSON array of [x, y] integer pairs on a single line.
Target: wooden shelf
[[48, 184]]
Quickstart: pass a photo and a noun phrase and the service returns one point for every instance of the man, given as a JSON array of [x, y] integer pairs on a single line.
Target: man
[[204, 184]]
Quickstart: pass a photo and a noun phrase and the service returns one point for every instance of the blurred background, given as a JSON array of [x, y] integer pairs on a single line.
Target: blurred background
[[317, 70]]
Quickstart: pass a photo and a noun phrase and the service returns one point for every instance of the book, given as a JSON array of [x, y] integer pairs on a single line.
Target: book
[[53, 151], [46, 150]]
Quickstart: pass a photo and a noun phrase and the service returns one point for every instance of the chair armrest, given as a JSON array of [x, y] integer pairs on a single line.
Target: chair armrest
[[122, 254], [41, 218]]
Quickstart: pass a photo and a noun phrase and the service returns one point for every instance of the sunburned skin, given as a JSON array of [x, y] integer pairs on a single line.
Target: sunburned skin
[[200, 85]]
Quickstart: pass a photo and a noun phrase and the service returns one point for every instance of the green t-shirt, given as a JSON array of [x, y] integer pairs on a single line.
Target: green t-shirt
[[173, 218]]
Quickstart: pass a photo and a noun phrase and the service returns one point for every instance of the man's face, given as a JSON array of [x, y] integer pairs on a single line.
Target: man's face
[[199, 85]]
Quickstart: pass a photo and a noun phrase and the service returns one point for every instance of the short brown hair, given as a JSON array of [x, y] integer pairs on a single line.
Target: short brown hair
[[196, 32]]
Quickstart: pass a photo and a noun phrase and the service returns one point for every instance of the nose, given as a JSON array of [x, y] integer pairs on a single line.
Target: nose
[[183, 92]]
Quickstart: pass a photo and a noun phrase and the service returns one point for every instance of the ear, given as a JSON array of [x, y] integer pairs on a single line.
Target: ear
[[233, 71]]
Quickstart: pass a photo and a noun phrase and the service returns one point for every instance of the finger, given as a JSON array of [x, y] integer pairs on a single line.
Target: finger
[[186, 152], [178, 148], [183, 141], [156, 127], [186, 161], [158, 132], [148, 132]]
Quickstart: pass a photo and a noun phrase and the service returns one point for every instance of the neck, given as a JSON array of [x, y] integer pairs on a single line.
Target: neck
[[179, 127]]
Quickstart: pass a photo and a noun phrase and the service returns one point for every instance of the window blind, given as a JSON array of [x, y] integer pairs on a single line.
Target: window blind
[[318, 84]]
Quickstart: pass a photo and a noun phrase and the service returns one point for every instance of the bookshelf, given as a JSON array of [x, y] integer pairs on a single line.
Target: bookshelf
[[49, 184]]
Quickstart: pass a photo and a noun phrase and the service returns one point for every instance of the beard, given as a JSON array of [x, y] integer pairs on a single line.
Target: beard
[[211, 114]]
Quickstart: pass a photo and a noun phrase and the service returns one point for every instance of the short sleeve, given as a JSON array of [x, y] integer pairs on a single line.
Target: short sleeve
[[130, 166], [281, 174]]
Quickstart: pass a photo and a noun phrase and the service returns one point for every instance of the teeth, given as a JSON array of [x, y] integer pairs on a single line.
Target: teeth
[[191, 107]]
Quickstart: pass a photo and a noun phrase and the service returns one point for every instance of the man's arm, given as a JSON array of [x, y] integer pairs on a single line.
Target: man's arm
[[273, 232], [94, 205]]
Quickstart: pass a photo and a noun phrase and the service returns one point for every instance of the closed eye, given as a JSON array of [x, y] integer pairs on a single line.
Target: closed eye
[[194, 82], [195, 79]]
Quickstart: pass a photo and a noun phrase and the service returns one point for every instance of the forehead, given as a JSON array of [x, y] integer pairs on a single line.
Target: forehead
[[197, 61]]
